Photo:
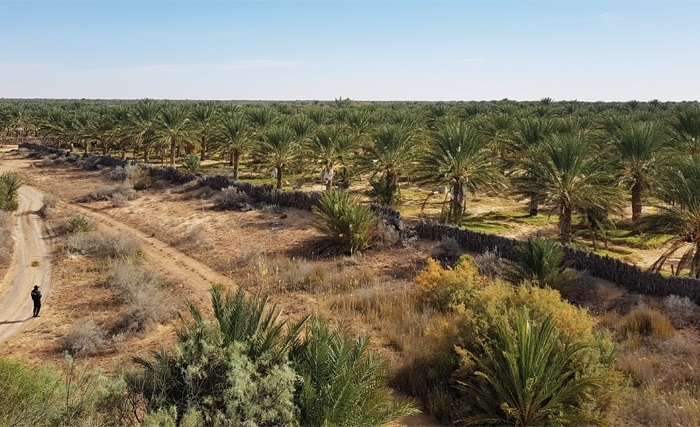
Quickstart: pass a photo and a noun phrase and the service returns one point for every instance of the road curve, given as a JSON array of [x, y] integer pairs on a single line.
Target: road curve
[[30, 246]]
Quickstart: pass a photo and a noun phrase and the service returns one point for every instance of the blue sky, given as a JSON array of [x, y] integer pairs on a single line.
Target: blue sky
[[375, 50]]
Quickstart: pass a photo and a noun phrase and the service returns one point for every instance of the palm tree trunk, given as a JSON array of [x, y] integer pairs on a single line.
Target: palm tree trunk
[[565, 224], [172, 153], [636, 201], [235, 160], [534, 206], [279, 177]]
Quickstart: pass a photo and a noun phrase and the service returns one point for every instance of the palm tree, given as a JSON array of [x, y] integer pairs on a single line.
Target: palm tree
[[638, 146], [458, 156], [143, 118], [392, 151], [330, 147], [204, 119], [233, 139], [173, 129], [278, 149], [685, 129], [572, 174], [679, 184], [529, 379], [542, 261]]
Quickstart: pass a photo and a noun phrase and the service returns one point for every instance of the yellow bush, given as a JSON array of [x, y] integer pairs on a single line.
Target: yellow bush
[[446, 288]]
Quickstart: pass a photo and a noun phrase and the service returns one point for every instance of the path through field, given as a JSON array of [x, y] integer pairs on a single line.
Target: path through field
[[30, 266]]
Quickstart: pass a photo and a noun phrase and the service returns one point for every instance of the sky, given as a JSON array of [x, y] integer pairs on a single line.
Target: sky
[[362, 50]]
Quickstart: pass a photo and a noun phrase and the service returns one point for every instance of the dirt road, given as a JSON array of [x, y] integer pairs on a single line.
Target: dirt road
[[30, 266]]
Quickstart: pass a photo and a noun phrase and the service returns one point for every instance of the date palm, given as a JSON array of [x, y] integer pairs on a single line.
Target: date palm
[[458, 156], [570, 173], [233, 139], [638, 146], [330, 147], [278, 150], [392, 151], [203, 118], [685, 129], [173, 129], [679, 184], [143, 118]]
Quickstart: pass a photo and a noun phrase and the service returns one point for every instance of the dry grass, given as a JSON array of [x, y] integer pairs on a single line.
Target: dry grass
[[108, 193], [85, 338], [646, 322], [102, 245], [6, 243], [276, 274]]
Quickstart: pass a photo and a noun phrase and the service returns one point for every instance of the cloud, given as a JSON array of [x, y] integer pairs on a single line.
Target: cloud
[[608, 17], [8, 66], [169, 68]]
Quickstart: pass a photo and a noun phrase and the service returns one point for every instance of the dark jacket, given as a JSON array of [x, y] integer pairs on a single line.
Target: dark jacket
[[36, 296]]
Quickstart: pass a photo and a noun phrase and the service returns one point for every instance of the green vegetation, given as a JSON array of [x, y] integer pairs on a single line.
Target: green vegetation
[[9, 185], [348, 225], [541, 261]]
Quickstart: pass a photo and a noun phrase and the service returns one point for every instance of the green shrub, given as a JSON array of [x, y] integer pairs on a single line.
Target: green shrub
[[526, 378], [342, 382], [348, 225], [138, 177], [78, 224], [9, 186], [192, 163], [384, 192], [30, 397], [446, 288], [541, 260]]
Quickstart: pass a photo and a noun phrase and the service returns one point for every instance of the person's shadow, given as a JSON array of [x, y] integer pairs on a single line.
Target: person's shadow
[[9, 322]]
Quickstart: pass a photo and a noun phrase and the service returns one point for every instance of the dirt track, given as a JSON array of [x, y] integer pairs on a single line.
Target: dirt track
[[15, 303]]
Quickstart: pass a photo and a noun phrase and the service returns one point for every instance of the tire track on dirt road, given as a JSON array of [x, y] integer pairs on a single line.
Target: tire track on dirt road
[[30, 246], [196, 276]]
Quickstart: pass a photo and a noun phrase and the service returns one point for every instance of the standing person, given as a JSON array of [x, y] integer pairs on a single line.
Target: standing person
[[36, 297]]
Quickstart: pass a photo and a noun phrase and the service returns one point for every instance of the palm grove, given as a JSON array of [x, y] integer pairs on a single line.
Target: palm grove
[[585, 163]]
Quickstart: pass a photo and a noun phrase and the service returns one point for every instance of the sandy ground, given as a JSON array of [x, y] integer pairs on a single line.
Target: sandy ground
[[30, 266]]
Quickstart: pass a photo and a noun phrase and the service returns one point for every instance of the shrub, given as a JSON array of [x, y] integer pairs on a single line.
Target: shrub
[[6, 242], [490, 264], [192, 163], [85, 338], [138, 177], [348, 226], [526, 378], [447, 250], [49, 202], [139, 289], [679, 310], [30, 397], [384, 192], [119, 200], [104, 194], [386, 235], [446, 288], [232, 199], [342, 383], [102, 245], [646, 322], [115, 174], [541, 260], [474, 312], [78, 224], [9, 186]]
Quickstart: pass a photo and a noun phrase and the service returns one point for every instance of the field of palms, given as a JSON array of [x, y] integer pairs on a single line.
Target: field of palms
[[609, 177]]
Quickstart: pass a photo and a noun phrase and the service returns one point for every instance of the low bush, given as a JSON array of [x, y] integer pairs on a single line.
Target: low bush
[[140, 290], [102, 245], [646, 322], [192, 163], [447, 250], [348, 225], [115, 174], [85, 338], [6, 242], [680, 311], [119, 200], [78, 224], [541, 260], [49, 203], [447, 288], [138, 177], [386, 236], [490, 265], [104, 194], [232, 199]]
